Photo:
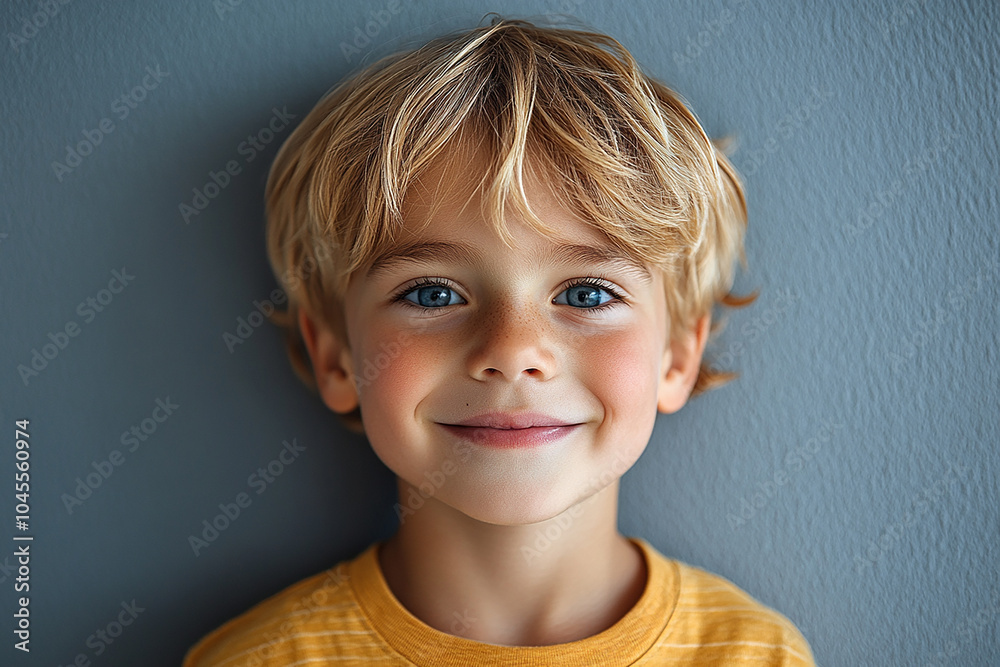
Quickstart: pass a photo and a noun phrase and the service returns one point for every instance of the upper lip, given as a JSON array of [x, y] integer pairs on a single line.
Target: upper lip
[[510, 420]]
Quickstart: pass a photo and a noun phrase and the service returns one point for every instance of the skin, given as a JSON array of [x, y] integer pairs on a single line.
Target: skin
[[507, 339]]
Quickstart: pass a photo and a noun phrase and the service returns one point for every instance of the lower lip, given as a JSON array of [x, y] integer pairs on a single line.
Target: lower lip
[[514, 438]]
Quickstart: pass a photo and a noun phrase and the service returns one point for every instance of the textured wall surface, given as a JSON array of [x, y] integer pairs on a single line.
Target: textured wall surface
[[849, 478]]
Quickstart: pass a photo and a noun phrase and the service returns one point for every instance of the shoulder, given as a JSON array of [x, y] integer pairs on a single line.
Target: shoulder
[[722, 619], [277, 625]]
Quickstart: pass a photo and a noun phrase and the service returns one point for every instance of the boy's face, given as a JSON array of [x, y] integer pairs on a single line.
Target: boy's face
[[505, 332]]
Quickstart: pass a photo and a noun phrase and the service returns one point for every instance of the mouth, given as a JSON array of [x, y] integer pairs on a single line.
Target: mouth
[[510, 437], [514, 421]]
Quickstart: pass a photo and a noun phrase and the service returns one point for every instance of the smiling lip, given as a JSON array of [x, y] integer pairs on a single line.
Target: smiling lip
[[511, 420], [511, 431], [511, 438]]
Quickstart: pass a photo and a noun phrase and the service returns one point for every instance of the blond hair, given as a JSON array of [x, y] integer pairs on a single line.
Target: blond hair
[[623, 150]]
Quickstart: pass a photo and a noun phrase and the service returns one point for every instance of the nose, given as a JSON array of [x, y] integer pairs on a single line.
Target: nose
[[513, 342]]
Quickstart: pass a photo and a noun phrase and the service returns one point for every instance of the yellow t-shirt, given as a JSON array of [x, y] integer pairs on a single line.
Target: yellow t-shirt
[[348, 616]]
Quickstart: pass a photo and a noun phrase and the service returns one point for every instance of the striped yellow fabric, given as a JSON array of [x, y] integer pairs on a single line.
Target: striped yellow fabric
[[347, 616]]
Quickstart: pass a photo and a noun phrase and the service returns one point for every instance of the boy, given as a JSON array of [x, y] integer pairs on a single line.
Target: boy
[[501, 252]]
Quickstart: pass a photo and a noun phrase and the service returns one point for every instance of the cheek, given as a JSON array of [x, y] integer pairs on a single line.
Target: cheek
[[625, 383], [622, 376], [621, 369], [394, 375], [396, 372]]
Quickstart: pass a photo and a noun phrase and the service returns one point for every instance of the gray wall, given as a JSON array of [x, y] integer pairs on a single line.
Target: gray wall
[[849, 478]]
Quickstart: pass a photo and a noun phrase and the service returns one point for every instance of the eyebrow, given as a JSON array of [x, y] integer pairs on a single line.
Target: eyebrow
[[425, 252]]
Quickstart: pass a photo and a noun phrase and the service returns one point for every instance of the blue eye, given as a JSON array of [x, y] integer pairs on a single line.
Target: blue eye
[[432, 293], [587, 294]]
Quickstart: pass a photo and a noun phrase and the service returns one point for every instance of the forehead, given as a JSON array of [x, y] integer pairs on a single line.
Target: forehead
[[451, 195], [451, 192], [444, 215]]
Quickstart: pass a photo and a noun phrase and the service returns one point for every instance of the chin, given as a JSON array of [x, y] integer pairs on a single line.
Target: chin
[[516, 510]]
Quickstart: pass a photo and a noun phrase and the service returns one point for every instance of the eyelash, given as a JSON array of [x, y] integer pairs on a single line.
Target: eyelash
[[596, 281]]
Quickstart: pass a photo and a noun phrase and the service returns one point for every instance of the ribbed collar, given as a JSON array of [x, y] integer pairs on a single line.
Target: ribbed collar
[[621, 644]]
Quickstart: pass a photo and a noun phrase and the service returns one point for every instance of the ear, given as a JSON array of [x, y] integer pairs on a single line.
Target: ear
[[331, 362], [681, 362]]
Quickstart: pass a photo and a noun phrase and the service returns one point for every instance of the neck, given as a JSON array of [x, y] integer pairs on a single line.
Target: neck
[[551, 582]]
